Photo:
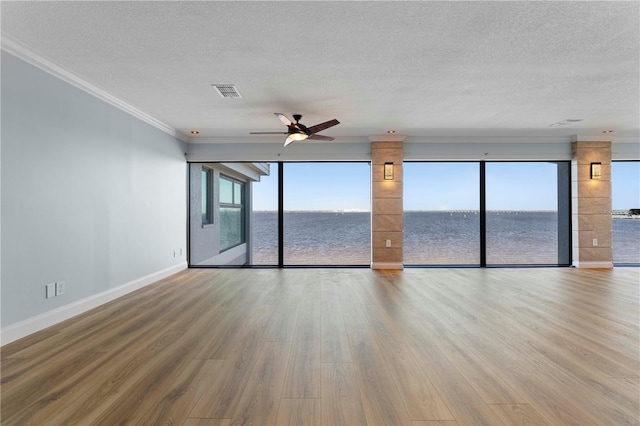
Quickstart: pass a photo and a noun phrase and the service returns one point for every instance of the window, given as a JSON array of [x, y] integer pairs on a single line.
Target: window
[[487, 213], [231, 213], [264, 219], [327, 214], [441, 222], [527, 213], [625, 200], [224, 226], [206, 196]]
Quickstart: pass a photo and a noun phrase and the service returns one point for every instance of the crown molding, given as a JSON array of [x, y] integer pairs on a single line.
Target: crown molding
[[19, 50]]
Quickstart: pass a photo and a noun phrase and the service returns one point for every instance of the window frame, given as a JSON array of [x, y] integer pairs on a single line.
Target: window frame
[[284, 262], [566, 239], [235, 204], [616, 260], [207, 218]]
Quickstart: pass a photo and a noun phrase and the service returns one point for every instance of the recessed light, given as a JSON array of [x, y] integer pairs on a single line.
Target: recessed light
[[391, 131], [195, 132], [607, 131]]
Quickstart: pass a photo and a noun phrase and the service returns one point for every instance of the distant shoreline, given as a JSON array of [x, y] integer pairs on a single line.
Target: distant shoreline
[[616, 214], [624, 216]]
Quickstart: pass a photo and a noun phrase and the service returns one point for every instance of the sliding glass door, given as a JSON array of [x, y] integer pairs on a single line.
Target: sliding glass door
[[441, 214], [625, 195], [487, 213], [264, 223], [232, 219], [522, 213], [327, 217], [455, 213], [235, 215]]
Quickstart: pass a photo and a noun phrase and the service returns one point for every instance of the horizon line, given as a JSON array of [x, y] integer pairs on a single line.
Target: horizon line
[[405, 211], [613, 211]]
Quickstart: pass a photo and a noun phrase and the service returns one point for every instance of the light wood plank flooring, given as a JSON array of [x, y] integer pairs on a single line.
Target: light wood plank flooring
[[554, 346]]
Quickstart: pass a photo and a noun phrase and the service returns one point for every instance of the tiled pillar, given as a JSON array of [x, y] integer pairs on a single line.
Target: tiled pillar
[[386, 208], [591, 206]]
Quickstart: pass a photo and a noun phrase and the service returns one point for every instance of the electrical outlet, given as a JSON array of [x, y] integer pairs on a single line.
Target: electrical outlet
[[595, 242], [50, 290], [388, 243], [175, 253], [60, 285]]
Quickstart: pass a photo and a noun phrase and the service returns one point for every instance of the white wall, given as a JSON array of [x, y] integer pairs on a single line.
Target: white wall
[[90, 195]]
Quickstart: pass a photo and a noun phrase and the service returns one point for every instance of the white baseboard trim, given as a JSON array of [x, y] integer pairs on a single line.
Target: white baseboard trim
[[387, 265], [593, 264], [29, 326]]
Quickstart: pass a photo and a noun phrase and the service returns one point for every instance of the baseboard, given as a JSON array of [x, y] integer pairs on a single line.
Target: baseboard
[[593, 264], [387, 265], [29, 326]]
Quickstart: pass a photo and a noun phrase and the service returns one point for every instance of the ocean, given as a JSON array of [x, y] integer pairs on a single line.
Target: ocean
[[430, 238]]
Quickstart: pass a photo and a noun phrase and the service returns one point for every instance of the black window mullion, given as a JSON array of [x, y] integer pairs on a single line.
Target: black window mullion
[[483, 215], [280, 214]]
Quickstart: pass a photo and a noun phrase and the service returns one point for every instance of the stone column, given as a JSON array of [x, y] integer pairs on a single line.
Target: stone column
[[591, 206], [386, 206]]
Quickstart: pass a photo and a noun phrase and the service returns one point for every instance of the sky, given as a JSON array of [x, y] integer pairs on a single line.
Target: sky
[[316, 186], [433, 186], [625, 185]]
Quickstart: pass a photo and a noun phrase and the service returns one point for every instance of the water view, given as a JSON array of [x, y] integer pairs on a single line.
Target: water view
[[430, 238], [326, 223]]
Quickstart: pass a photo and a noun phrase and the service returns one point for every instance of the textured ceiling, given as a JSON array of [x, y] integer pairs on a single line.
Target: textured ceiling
[[420, 68]]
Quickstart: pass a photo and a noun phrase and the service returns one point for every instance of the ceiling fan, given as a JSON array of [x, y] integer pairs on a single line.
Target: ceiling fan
[[299, 132]]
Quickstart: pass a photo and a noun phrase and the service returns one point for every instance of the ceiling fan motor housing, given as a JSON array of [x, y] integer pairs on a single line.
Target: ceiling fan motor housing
[[298, 127]]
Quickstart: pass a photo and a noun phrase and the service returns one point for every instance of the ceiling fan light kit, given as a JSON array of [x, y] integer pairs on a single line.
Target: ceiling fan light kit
[[298, 131]]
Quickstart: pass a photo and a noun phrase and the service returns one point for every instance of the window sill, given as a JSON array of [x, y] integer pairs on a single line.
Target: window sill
[[208, 225]]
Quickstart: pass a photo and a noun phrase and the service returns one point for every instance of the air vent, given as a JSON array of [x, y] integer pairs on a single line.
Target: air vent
[[227, 90]]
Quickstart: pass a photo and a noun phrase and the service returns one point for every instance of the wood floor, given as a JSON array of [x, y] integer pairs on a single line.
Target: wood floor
[[422, 347]]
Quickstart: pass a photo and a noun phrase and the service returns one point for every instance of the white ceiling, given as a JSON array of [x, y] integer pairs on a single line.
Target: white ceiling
[[420, 68]]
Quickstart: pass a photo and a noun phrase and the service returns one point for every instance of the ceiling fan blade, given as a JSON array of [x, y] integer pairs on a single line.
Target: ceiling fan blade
[[268, 133], [320, 127], [321, 138], [283, 118], [289, 141]]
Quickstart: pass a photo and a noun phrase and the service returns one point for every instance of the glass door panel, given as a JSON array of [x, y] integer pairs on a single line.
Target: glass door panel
[[625, 195], [327, 216], [233, 214], [441, 213], [264, 223], [522, 213]]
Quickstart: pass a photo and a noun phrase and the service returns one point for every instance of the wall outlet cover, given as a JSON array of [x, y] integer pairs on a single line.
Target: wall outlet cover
[[60, 285], [50, 290]]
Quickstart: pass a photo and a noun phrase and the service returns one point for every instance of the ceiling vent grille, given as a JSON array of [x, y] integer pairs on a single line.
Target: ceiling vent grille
[[227, 90]]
